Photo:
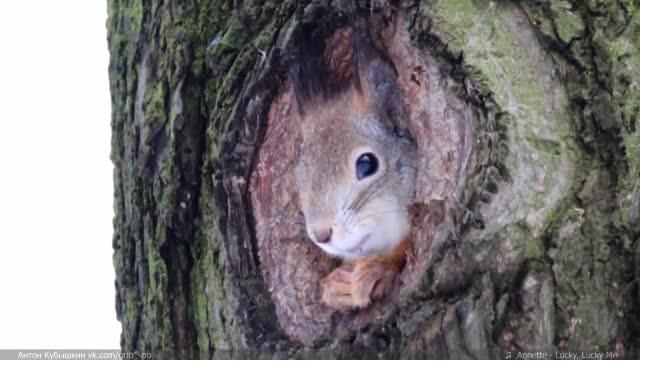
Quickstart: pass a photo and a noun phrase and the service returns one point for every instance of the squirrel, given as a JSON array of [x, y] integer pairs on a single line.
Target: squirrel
[[355, 177]]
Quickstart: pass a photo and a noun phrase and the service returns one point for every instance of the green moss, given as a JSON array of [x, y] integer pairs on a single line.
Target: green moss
[[265, 36], [510, 62], [225, 49], [545, 145], [595, 53], [568, 24], [209, 292], [632, 151], [154, 105], [135, 12]]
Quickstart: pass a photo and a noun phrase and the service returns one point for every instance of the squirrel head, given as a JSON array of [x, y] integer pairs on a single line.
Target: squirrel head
[[356, 170]]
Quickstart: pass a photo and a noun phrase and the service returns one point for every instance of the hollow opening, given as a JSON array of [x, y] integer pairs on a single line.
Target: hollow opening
[[441, 123]]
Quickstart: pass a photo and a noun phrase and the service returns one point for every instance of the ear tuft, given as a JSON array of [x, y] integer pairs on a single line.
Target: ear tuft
[[379, 90], [376, 76], [308, 73]]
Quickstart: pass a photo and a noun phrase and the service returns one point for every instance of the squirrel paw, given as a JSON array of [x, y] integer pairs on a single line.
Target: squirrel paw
[[336, 288], [356, 285], [372, 280]]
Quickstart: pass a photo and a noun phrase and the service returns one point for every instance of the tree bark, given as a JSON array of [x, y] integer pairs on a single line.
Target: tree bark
[[547, 254]]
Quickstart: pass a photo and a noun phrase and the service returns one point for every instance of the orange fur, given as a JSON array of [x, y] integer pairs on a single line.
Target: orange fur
[[355, 284]]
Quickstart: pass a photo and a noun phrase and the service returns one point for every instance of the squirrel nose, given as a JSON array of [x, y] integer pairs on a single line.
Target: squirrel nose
[[322, 234]]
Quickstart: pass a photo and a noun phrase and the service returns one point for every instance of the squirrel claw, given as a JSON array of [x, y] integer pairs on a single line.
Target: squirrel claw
[[372, 280], [336, 288], [356, 285]]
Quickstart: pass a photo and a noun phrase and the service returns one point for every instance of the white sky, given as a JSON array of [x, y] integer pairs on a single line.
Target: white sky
[[56, 273]]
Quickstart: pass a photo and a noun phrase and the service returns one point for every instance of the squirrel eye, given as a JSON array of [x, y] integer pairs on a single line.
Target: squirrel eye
[[366, 165]]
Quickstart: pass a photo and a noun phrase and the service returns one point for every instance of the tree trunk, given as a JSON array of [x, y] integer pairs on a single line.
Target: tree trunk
[[544, 256]]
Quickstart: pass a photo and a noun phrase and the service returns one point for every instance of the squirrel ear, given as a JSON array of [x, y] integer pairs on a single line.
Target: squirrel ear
[[376, 87], [307, 82], [300, 88], [375, 78], [380, 85], [378, 90], [307, 73]]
